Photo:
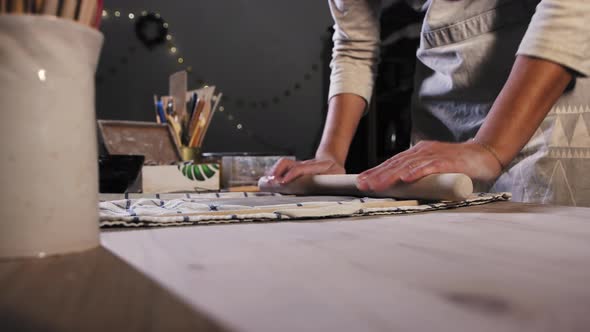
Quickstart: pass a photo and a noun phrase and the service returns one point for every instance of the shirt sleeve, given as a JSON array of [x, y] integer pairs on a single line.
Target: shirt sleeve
[[560, 32], [356, 47]]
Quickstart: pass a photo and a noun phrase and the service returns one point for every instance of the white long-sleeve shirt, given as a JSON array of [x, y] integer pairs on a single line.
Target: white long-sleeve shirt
[[559, 31], [467, 49]]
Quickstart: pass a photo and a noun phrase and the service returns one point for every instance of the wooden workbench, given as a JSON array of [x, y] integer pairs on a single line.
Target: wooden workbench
[[497, 267]]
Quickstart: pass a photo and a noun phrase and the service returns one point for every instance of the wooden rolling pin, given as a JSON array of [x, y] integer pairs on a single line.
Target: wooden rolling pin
[[445, 187]]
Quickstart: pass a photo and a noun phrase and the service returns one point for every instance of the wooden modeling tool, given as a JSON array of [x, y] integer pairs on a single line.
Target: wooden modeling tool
[[29, 6], [69, 9], [175, 129], [447, 187], [87, 12], [201, 124], [205, 93], [3, 8], [195, 117], [38, 4], [244, 189], [208, 121], [18, 7], [178, 90], [203, 117], [50, 7], [217, 100]]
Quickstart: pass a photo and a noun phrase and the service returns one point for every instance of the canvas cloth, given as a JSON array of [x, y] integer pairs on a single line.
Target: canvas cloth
[[197, 209]]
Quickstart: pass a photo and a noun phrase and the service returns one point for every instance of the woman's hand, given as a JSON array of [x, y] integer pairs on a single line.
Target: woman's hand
[[344, 114], [429, 157], [287, 170]]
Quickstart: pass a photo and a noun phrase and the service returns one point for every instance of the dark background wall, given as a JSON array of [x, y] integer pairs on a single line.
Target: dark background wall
[[267, 56]]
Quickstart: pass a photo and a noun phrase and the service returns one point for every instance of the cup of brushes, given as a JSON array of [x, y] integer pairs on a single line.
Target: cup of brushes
[[48, 169]]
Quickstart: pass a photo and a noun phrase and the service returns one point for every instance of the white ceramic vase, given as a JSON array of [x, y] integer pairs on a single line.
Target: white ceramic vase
[[48, 156]]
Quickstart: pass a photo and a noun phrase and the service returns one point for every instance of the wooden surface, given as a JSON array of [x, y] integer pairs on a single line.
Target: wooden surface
[[91, 291], [498, 267]]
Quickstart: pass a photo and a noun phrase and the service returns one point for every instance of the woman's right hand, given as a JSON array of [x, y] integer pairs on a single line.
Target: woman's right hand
[[287, 170]]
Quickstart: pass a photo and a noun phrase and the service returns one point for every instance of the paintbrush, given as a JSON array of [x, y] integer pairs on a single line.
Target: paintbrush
[[158, 120]]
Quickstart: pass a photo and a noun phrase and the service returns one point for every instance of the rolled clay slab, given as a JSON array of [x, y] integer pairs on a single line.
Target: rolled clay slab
[[446, 187]]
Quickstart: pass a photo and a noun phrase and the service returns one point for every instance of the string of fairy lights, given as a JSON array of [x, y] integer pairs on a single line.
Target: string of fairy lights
[[159, 34]]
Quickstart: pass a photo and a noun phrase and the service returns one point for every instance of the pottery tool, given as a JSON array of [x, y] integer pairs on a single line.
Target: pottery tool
[[2, 6], [178, 90], [447, 187], [191, 127], [217, 100], [68, 9], [208, 121], [186, 132], [196, 139], [206, 93], [38, 6], [244, 189], [201, 123], [195, 116], [29, 6], [87, 12], [18, 7], [175, 128], [50, 7]]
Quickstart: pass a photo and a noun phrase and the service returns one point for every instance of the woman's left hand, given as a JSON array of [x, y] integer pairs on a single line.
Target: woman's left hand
[[430, 157]]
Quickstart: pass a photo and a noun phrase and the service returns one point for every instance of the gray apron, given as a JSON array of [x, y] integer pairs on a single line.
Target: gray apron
[[466, 53]]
